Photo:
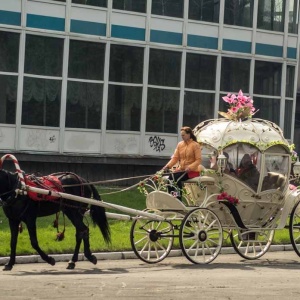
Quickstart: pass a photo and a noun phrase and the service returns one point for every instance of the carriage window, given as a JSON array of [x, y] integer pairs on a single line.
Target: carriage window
[[275, 171], [244, 163]]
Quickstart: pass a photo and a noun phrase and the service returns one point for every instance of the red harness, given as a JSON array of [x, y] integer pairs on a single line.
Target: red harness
[[49, 182]]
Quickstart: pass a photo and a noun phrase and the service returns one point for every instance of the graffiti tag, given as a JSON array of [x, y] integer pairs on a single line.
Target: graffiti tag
[[157, 143]]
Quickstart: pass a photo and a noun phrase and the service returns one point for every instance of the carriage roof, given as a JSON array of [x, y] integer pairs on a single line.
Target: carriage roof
[[220, 133]]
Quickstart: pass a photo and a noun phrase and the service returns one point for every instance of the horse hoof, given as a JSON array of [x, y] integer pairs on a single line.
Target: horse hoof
[[51, 261], [71, 265], [7, 268], [93, 260]]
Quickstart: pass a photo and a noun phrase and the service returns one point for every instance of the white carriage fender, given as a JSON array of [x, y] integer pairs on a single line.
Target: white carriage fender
[[290, 201], [93, 202]]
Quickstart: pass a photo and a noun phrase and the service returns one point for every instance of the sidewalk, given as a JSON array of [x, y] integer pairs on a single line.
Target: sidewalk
[[121, 255]]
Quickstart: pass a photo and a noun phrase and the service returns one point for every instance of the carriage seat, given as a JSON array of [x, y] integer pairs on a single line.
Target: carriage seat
[[202, 179]]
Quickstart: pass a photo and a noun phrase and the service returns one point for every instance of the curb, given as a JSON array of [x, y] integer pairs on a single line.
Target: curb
[[26, 259]]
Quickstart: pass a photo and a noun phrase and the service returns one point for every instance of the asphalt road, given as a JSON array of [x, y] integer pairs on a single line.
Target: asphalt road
[[274, 276]]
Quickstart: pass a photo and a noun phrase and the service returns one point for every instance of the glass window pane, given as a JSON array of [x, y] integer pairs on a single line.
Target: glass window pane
[[170, 8], [288, 116], [43, 55], [200, 71], [84, 105], [198, 107], [126, 64], [239, 12], [162, 110], [204, 10], [290, 79], [102, 3], [293, 16], [164, 68], [9, 51], [267, 78], [235, 74], [86, 60], [131, 5], [268, 109], [271, 15], [124, 108], [41, 102], [8, 99]]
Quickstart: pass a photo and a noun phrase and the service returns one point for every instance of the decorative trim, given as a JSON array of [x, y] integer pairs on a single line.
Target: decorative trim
[[45, 22]]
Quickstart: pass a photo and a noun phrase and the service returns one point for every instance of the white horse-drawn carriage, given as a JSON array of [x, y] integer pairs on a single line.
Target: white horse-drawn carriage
[[248, 207]]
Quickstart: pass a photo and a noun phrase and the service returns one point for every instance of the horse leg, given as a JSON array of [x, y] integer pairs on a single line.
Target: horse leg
[[82, 233], [31, 226], [14, 231]]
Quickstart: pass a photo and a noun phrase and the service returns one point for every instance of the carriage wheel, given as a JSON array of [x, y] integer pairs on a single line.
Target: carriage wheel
[[294, 228], [251, 244], [150, 240], [201, 236]]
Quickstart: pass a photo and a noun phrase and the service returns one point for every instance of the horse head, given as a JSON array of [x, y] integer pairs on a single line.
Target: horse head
[[8, 184]]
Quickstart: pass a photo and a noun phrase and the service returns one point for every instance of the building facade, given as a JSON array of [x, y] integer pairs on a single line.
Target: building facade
[[112, 81]]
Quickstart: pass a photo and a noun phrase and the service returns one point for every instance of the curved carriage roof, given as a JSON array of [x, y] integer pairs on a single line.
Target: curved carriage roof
[[220, 133]]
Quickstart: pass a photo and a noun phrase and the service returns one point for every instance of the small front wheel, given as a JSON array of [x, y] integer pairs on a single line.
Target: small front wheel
[[151, 240], [201, 236], [294, 228]]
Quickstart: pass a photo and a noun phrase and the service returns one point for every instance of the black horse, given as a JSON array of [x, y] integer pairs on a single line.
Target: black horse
[[22, 208]]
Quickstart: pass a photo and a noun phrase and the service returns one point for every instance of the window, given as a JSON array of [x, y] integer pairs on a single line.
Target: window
[[268, 109], [131, 5], [239, 12], [170, 8], [125, 88], [41, 102], [42, 96], [9, 59], [162, 110], [102, 3], [84, 105], [8, 98], [204, 10], [267, 78], [9, 51], [271, 15], [124, 108], [293, 16], [200, 71], [126, 64], [235, 74], [290, 79], [43, 55], [288, 116], [86, 60], [198, 107], [164, 68], [84, 96]]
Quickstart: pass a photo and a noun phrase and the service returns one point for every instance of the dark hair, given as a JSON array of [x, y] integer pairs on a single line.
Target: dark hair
[[189, 131]]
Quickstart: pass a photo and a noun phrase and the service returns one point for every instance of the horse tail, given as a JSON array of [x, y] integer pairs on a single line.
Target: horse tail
[[99, 218]]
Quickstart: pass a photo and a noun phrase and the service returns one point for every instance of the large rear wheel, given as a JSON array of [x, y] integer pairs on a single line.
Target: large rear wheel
[[294, 228], [251, 244], [151, 240], [201, 236]]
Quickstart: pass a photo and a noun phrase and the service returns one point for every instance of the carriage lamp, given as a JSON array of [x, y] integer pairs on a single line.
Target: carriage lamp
[[222, 161]]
